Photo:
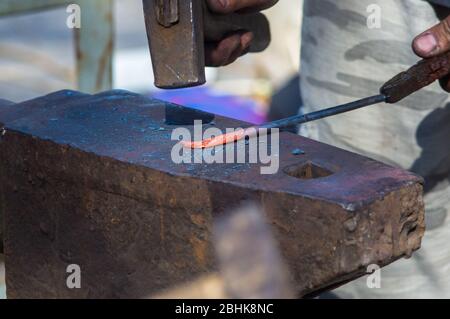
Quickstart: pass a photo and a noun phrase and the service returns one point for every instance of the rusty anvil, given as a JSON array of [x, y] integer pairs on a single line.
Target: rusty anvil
[[177, 31], [89, 180]]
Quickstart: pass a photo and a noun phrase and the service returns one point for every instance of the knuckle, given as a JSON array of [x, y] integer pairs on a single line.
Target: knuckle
[[218, 7], [220, 58]]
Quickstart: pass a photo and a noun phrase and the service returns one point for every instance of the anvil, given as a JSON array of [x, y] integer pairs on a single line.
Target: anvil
[[89, 180]]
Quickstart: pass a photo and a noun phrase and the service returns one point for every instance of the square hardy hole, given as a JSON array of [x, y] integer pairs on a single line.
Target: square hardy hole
[[308, 170]]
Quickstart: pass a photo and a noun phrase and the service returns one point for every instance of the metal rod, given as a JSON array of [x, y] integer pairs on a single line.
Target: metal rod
[[304, 118], [298, 119]]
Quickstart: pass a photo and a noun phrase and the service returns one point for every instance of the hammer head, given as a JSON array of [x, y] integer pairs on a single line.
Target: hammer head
[[176, 40], [176, 35]]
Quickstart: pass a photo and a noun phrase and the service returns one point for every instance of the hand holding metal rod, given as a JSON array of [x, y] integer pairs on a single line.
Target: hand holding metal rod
[[399, 87]]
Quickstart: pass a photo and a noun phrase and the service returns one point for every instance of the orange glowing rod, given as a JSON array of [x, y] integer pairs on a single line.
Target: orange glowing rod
[[293, 120], [396, 89], [217, 140]]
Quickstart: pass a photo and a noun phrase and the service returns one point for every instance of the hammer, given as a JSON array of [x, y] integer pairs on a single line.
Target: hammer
[[177, 31]]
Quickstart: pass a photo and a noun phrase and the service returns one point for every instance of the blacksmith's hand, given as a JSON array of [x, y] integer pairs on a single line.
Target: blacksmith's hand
[[235, 44], [433, 42]]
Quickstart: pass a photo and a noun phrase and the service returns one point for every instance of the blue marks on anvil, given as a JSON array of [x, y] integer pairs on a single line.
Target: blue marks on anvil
[[65, 93], [297, 151], [117, 125], [190, 168], [79, 115], [148, 138], [114, 97], [69, 93], [118, 93]]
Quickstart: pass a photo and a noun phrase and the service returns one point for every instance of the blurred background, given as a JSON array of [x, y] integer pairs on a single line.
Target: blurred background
[[38, 56]]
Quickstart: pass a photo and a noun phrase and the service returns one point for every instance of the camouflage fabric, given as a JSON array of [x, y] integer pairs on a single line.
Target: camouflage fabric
[[343, 60]]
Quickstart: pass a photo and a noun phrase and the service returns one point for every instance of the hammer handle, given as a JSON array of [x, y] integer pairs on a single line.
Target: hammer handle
[[217, 26], [417, 77]]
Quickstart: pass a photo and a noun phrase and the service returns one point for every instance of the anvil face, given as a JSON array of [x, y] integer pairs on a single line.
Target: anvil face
[[90, 179], [132, 129]]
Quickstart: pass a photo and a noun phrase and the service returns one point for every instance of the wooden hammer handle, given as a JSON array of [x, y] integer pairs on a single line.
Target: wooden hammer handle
[[217, 26], [417, 77]]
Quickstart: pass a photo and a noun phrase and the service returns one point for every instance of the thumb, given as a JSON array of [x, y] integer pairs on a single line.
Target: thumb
[[434, 41]]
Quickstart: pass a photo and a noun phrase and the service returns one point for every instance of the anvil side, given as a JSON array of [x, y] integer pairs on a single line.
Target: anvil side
[[2, 103], [89, 180]]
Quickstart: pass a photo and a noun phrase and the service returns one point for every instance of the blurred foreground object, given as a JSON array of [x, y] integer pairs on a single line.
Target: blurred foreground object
[[250, 265]]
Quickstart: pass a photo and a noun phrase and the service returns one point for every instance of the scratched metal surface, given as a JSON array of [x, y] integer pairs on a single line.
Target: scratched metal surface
[[130, 128]]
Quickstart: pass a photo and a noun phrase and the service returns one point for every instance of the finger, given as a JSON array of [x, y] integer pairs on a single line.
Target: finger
[[243, 49], [227, 50], [229, 6], [445, 83], [218, 54], [434, 41]]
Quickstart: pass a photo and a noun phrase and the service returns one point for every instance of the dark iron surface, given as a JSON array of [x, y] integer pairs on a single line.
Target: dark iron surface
[[131, 128], [89, 180]]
